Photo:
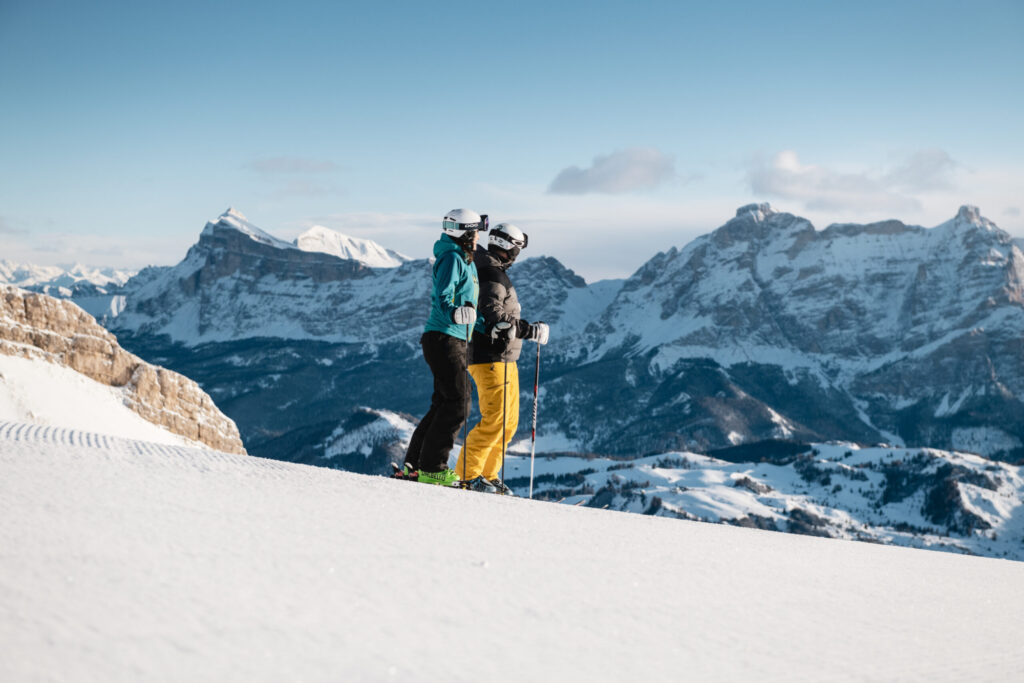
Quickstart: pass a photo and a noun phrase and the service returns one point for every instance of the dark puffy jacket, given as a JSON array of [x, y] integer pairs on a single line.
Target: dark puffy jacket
[[498, 302]]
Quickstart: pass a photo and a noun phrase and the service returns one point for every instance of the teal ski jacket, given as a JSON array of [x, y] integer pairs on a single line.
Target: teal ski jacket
[[455, 285]]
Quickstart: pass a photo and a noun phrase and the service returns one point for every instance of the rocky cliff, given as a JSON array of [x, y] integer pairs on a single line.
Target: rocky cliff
[[34, 325]]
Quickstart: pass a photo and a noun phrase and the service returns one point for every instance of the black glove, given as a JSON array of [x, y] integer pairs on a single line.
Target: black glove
[[537, 332], [502, 332]]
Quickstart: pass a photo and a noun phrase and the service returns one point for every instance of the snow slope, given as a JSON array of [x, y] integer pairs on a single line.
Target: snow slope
[[128, 561], [913, 497], [42, 393]]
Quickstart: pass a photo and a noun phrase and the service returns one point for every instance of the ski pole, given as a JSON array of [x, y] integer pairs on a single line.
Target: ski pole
[[533, 430], [469, 406], [504, 388]]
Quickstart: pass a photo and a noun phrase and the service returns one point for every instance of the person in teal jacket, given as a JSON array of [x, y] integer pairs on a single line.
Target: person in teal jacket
[[453, 303]]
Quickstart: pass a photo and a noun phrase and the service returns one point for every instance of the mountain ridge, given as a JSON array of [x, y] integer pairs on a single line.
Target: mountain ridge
[[763, 328]]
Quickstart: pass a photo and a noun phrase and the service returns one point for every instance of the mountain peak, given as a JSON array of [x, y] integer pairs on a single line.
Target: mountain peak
[[234, 219], [325, 240], [971, 214], [760, 211], [969, 217]]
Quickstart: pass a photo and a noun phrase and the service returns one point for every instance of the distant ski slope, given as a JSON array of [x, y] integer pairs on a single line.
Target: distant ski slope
[[126, 561]]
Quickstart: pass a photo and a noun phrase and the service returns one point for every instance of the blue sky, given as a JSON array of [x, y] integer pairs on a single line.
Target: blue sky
[[607, 130]]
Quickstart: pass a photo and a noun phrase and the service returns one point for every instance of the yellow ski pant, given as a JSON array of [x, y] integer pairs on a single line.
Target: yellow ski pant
[[484, 441]]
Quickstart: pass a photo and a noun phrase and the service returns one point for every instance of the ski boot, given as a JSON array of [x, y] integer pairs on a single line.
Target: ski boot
[[479, 484], [446, 477], [405, 472], [500, 487]]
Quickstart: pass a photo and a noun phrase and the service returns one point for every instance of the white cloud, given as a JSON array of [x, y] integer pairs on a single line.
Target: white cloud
[[629, 170], [603, 236], [820, 188], [927, 170]]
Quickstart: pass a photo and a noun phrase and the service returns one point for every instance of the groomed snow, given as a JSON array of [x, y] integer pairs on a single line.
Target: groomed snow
[[38, 392], [126, 561]]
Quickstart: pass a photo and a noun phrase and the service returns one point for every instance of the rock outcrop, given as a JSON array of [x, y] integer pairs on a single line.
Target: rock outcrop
[[39, 326]]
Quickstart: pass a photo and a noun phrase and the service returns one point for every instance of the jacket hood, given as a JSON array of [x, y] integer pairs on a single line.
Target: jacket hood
[[446, 244]]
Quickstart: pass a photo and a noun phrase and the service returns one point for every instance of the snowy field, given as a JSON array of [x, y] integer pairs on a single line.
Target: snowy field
[[131, 561]]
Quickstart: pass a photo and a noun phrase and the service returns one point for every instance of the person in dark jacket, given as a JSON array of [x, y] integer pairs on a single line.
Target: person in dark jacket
[[453, 302], [497, 341]]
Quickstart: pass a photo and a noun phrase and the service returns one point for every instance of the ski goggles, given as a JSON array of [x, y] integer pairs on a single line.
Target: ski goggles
[[503, 241], [479, 225]]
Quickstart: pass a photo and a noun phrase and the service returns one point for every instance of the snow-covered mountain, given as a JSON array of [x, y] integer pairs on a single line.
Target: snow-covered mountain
[[765, 328], [240, 282], [327, 241], [97, 290], [127, 561], [62, 281]]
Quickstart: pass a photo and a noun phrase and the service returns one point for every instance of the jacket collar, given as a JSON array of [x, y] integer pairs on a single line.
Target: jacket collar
[[483, 255]]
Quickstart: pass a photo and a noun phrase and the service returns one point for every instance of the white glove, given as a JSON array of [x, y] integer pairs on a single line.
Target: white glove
[[464, 315], [539, 333]]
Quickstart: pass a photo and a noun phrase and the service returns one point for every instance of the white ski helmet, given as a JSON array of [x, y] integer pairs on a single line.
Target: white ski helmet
[[508, 237], [458, 222]]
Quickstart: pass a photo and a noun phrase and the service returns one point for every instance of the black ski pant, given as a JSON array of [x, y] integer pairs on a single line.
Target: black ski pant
[[449, 406]]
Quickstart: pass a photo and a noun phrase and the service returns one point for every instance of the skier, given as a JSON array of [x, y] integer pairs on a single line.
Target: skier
[[453, 301], [497, 340]]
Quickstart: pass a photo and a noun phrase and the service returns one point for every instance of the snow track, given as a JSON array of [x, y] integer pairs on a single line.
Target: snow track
[[33, 438], [61, 436]]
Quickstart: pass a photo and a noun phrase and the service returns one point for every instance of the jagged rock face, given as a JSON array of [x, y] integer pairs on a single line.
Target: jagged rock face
[[39, 326]]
